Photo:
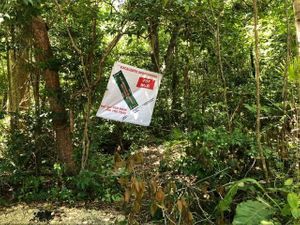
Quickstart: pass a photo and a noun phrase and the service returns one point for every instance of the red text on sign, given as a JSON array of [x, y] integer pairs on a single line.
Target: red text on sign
[[145, 83]]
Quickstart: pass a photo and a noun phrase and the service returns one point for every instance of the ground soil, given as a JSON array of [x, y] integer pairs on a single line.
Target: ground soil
[[79, 213], [44, 213]]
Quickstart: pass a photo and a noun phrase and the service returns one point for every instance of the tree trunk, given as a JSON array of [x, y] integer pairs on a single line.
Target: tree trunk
[[60, 119], [19, 80], [175, 107], [8, 69], [283, 141], [297, 24], [154, 43], [171, 47], [186, 92], [172, 69], [258, 104], [10, 95], [221, 71]]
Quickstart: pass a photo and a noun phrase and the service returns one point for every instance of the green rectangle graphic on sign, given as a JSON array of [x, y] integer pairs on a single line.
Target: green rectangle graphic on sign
[[125, 90]]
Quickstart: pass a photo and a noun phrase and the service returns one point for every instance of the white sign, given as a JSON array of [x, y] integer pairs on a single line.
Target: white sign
[[130, 96]]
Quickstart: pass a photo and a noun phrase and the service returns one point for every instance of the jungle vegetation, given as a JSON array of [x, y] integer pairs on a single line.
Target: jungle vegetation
[[226, 124]]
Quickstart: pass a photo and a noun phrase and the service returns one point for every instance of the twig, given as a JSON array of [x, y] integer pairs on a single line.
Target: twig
[[77, 49], [206, 178], [250, 168]]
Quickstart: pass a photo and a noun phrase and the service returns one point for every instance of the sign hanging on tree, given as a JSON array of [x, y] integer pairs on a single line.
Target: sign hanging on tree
[[130, 96]]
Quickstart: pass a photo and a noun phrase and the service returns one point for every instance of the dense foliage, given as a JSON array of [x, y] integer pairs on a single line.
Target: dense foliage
[[216, 168]]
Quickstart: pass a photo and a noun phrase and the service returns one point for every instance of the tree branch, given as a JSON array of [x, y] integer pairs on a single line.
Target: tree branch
[[171, 46], [74, 45]]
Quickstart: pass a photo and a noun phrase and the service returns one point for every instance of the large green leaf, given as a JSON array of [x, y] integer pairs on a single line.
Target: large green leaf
[[288, 182], [224, 204], [293, 200], [252, 213]]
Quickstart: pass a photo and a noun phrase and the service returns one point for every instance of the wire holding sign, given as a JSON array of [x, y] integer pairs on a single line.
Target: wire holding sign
[[131, 95]]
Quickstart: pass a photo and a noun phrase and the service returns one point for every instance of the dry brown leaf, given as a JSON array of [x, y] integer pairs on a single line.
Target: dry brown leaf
[[221, 190], [190, 217], [130, 165], [119, 165], [117, 157], [142, 186], [153, 185], [139, 157], [173, 187], [153, 209], [136, 186], [179, 205], [127, 195], [160, 195], [184, 204], [123, 181], [118, 161], [133, 181], [136, 207]]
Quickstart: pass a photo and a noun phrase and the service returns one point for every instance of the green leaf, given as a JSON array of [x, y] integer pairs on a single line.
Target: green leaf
[[288, 182], [293, 200], [296, 213], [225, 203], [252, 213], [294, 70], [266, 222], [251, 108], [286, 210], [186, 7], [165, 2]]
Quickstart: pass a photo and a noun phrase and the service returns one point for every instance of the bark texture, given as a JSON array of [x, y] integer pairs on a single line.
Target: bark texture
[[61, 126], [154, 43], [19, 80], [297, 22]]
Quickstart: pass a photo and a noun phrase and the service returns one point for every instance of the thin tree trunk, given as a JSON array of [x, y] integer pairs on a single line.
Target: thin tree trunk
[[258, 104], [288, 58], [186, 89], [297, 24], [88, 104], [154, 43], [19, 80], [221, 70], [8, 70], [172, 69], [60, 118], [10, 96], [171, 46], [5, 94], [86, 138], [4, 102], [72, 121], [283, 142], [36, 91], [174, 88]]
